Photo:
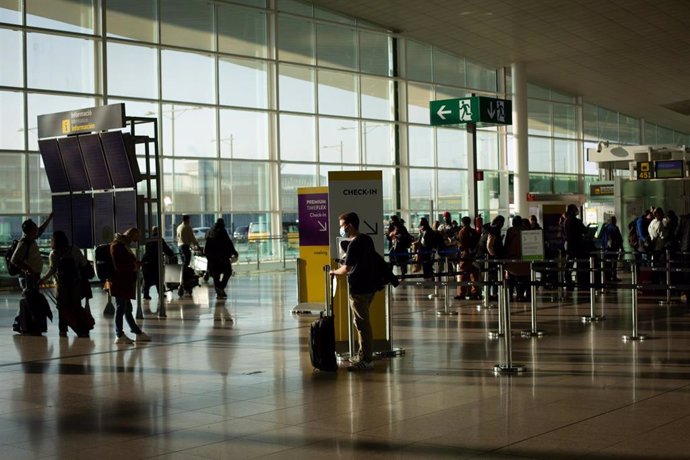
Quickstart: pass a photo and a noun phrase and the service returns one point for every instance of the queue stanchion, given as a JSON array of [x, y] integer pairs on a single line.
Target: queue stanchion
[[602, 271], [436, 279], [446, 301], [502, 298], [533, 332], [635, 335], [668, 300], [508, 367], [560, 278], [485, 303], [592, 294]]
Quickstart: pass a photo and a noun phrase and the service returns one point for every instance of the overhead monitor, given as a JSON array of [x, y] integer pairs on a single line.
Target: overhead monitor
[[121, 159], [103, 218], [94, 160], [125, 210], [55, 170], [62, 213], [82, 220], [74, 164]]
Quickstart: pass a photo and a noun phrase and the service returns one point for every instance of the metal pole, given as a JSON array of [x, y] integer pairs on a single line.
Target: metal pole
[[508, 367], [668, 300], [602, 268], [633, 293], [534, 332], [436, 279], [592, 294], [502, 299], [485, 288]]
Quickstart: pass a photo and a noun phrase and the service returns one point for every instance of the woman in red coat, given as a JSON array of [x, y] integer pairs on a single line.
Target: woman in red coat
[[123, 286]]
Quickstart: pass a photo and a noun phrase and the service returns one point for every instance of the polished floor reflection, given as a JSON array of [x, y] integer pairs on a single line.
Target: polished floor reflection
[[232, 379]]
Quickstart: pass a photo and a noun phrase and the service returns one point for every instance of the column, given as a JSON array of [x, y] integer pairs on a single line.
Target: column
[[521, 181]]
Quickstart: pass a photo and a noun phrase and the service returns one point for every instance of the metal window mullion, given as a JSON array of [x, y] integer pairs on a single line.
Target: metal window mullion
[[102, 66], [25, 91]]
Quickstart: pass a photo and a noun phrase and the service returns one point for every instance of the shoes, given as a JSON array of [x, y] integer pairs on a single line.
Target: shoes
[[361, 366], [142, 337], [123, 340], [459, 297], [220, 293]]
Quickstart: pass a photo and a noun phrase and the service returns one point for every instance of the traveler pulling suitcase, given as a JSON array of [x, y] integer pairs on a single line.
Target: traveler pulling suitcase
[[322, 333], [33, 313], [79, 319]]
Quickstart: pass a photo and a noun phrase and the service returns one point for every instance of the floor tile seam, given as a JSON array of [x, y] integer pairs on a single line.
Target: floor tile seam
[[592, 417]]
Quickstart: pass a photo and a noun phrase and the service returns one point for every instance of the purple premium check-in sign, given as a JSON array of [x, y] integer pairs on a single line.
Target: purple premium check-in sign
[[313, 219]]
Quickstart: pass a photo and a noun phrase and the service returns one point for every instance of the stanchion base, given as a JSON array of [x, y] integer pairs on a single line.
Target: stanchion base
[[632, 338], [446, 313], [433, 296], [485, 307], [593, 319], [495, 334], [528, 334], [302, 311], [514, 369], [393, 353], [667, 303], [109, 309]]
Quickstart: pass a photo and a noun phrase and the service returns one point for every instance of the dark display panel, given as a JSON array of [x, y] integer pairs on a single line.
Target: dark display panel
[[74, 164], [104, 218], [94, 160], [125, 210], [121, 158], [82, 220], [62, 214], [55, 170]]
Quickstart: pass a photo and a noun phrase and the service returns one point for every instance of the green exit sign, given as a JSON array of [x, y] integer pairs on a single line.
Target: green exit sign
[[475, 109]]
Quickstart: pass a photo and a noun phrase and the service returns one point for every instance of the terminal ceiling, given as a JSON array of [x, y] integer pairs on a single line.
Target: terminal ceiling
[[632, 56]]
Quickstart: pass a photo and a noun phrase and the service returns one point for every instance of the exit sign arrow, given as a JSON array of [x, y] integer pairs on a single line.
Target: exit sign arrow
[[442, 112]]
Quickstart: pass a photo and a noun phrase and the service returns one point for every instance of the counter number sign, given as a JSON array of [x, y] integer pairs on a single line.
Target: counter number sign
[[645, 170]]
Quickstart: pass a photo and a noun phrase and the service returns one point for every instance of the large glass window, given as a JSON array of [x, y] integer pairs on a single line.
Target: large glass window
[[337, 93], [244, 134], [479, 77], [11, 68], [418, 97], [133, 19], [338, 140], [422, 188], [243, 82], [189, 131], [292, 177], [245, 186], [377, 98], [12, 173], [487, 150], [297, 138], [192, 183], [378, 141], [10, 11], [629, 129], [181, 84], [539, 122], [451, 148], [39, 189], [242, 31], [375, 53], [418, 61], [11, 120], [296, 40], [296, 88], [65, 15], [132, 70], [187, 23], [336, 46], [540, 159], [421, 146], [451, 195], [47, 56], [565, 156], [564, 121], [448, 68]]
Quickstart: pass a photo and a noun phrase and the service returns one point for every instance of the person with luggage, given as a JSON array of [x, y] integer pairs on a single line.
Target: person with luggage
[[612, 244], [400, 241], [430, 241], [150, 262], [123, 286], [27, 256], [185, 241], [360, 278], [66, 263], [218, 250]]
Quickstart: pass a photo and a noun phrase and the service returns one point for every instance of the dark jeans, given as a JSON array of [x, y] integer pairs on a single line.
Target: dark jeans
[[221, 276], [123, 308]]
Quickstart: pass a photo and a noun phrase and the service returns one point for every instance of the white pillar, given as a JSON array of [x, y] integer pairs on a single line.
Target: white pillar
[[521, 180]]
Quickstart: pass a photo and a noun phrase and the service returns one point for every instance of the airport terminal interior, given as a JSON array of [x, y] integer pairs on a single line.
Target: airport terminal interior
[[233, 108]]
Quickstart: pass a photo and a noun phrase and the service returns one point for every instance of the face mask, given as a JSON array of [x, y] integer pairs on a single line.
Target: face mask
[[343, 232]]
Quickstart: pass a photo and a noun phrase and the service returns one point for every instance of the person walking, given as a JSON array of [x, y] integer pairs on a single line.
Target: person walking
[[150, 262], [218, 250], [123, 286], [360, 276], [185, 241], [27, 256]]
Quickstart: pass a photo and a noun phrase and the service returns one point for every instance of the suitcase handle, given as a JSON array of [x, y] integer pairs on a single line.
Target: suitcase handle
[[330, 294]]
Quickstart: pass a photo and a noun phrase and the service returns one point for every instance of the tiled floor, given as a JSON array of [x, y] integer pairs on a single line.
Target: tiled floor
[[210, 388]]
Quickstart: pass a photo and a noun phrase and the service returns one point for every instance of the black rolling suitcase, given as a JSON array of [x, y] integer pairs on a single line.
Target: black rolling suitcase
[[34, 313], [322, 335], [78, 318]]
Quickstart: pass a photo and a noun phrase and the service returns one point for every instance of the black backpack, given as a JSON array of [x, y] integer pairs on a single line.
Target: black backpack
[[381, 272], [66, 270], [12, 269], [104, 262]]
